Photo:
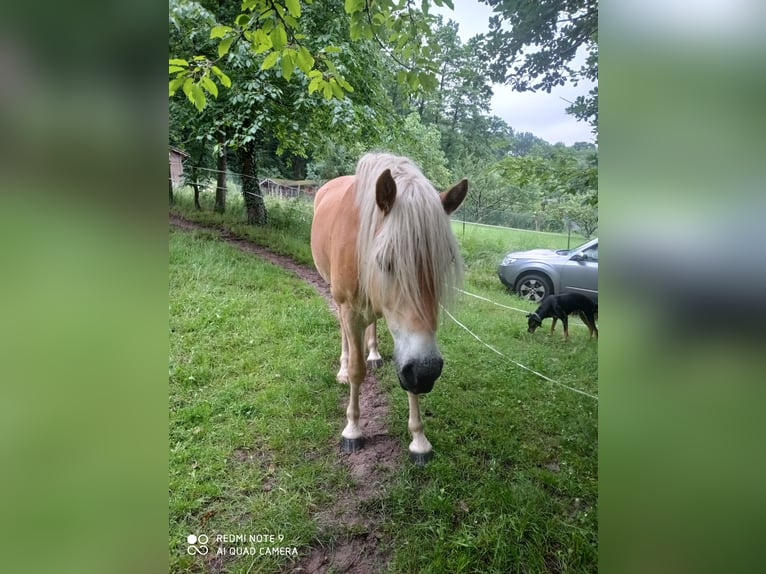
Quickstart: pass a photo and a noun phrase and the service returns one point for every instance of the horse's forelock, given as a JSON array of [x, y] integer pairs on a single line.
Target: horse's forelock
[[414, 241]]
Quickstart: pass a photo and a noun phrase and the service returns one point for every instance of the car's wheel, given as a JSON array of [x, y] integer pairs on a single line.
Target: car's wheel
[[533, 287]]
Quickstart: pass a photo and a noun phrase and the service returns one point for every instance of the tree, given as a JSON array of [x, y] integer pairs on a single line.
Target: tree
[[190, 130], [534, 42], [578, 210], [272, 29], [560, 183], [422, 144], [275, 96]]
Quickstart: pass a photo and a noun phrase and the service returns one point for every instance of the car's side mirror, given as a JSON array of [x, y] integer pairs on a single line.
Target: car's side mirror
[[578, 257]]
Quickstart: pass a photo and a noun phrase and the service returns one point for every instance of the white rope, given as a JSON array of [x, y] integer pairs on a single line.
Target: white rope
[[490, 301], [491, 348]]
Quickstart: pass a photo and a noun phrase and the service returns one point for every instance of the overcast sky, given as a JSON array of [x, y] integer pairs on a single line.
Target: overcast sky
[[540, 113]]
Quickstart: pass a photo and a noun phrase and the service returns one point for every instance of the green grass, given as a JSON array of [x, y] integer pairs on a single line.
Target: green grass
[[253, 400], [288, 231], [513, 483]]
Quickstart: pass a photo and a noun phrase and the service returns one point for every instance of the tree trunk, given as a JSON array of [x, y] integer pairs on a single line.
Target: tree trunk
[[251, 191], [220, 190], [195, 185], [299, 167], [170, 185], [195, 176]]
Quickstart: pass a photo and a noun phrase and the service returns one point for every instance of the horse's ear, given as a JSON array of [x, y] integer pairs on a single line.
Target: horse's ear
[[385, 191], [452, 199]]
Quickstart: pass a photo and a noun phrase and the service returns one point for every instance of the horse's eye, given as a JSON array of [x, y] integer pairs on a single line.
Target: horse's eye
[[385, 264]]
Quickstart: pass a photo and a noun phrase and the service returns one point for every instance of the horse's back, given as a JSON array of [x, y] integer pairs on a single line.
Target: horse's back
[[332, 190]]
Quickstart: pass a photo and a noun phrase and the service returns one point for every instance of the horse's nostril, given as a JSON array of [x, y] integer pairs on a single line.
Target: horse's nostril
[[407, 378], [419, 377]]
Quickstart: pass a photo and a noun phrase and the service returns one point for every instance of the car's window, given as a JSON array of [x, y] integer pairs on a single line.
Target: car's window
[[591, 253]]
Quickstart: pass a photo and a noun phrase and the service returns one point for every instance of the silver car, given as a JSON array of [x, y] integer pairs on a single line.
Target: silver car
[[540, 272]]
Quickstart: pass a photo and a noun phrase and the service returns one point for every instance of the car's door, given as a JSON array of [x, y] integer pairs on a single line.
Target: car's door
[[580, 273]]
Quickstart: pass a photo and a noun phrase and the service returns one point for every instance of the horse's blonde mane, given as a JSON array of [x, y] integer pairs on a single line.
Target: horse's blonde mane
[[412, 241]]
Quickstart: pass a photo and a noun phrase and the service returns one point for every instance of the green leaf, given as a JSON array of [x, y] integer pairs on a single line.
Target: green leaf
[[336, 89], [290, 21], [270, 60], [261, 41], [294, 7], [174, 69], [332, 50], [173, 85], [354, 30], [198, 97], [288, 65], [178, 62], [224, 79], [187, 87], [279, 37], [305, 60], [345, 85], [210, 86], [243, 20], [250, 4], [428, 81], [327, 91], [315, 83], [223, 47], [352, 6], [219, 31]]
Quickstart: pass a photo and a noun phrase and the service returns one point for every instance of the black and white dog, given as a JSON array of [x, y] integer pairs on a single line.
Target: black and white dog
[[560, 307]]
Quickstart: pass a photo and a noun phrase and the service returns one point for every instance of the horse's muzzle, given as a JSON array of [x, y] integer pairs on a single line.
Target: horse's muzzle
[[418, 377]]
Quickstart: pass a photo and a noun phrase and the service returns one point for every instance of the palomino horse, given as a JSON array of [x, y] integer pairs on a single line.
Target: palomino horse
[[382, 240]]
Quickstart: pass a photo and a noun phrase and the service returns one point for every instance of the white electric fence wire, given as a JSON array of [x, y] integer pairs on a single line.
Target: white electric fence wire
[[491, 348]]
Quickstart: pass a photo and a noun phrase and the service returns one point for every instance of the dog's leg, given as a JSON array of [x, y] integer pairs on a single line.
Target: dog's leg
[[585, 317], [590, 320], [565, 322], [553, 325]]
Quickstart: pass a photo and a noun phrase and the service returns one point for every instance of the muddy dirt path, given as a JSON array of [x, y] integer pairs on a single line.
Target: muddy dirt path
[[353, 523]]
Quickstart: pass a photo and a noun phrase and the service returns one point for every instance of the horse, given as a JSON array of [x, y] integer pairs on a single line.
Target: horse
[[382, 240]]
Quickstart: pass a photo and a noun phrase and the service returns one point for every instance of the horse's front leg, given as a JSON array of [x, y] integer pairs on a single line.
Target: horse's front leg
[[374, 360], [353, 329], [342, 376], [421, 450]]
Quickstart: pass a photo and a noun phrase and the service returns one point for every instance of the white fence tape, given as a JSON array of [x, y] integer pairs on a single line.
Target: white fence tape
[[491, 348]]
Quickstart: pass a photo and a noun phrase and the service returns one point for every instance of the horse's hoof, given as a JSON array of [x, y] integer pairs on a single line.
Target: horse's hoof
[[349, 445], [421, 458], [375, 363]]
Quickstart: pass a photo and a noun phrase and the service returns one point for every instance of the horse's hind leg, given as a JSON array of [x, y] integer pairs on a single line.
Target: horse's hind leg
[[374, 360], [420, 449], [353, 328]]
